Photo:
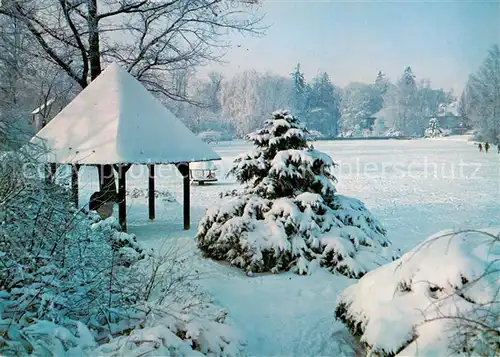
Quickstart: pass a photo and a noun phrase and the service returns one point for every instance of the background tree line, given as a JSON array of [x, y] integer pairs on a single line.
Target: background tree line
[[233, 106], [480, 101], [46, 53]]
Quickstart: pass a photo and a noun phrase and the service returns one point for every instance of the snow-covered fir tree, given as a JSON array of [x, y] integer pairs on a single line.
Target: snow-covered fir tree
[[289, 216], [433, 131], [359, 102], [381, 79], [380, 87], [323, 106], [401, 104]]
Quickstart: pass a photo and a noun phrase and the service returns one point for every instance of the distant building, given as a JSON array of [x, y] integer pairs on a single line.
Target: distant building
[[449, 119], [368, 122], [382, 121]]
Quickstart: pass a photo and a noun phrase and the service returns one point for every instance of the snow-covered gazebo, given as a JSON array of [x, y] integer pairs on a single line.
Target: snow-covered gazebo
[[116, 121]]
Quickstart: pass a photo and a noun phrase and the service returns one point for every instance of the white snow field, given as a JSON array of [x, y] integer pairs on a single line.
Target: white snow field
[[415, 188]]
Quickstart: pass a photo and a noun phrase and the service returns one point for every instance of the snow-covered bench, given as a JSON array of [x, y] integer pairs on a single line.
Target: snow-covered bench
[[202, 172]]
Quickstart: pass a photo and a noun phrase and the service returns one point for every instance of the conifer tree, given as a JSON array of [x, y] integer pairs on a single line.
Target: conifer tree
[[288, 216], [433, 131], [324, 106], [299, 94]]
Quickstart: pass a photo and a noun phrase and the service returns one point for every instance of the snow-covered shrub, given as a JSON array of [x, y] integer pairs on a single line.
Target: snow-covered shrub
[[440, 298], [347, 133], [393, 133], [180, 334], [433, 131], [55, 267], [289, 217], [125, 244], [164, 195], [210, 136], [446, 132], [177, 320], [357, 132], [313, 135], [181, 316], [72, 284]]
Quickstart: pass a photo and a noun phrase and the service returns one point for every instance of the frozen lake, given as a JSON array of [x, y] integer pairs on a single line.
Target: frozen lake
[[415, 187]]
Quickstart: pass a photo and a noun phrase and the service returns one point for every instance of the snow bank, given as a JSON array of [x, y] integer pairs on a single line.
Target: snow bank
[[178, 334], [441, 296]]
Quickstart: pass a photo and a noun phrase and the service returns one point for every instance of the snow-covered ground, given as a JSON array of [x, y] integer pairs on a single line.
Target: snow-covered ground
[[415, 188]]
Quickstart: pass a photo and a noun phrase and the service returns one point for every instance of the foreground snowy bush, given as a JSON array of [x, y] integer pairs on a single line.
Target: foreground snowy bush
[[178, 333], [56, 266], [441, 298], [72, 284], [289, 217], [185, 330]]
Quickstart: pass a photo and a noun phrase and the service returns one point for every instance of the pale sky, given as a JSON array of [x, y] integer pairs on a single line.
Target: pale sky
[[351, 40]]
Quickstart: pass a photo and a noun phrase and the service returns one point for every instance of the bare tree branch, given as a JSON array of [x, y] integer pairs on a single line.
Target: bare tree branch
[[144, 36], [78, 40]]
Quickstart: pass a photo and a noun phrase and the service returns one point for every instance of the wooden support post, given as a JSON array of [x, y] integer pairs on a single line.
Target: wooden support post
[[184, 170], [51, 173], [122, 198], [74, 183], [122, 195], [151, 191], [107, 183]]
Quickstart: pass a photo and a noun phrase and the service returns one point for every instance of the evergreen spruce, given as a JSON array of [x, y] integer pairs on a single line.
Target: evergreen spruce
[[299, 93], [433, 131], [288, 216]]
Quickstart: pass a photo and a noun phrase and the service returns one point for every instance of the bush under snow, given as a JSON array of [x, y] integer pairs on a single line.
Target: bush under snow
[[72, 284], [210, 136], [57, 266], [393, 133], [442, 297], [289, 217]]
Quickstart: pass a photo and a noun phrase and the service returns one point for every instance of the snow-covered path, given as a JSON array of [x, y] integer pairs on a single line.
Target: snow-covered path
[[414, 187]]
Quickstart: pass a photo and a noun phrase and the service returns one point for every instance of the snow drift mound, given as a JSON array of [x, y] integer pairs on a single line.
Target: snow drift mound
[[289, 217], [442, 297]]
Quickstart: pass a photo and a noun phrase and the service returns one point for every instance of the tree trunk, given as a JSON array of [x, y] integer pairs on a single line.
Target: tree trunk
[[107, 181]]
